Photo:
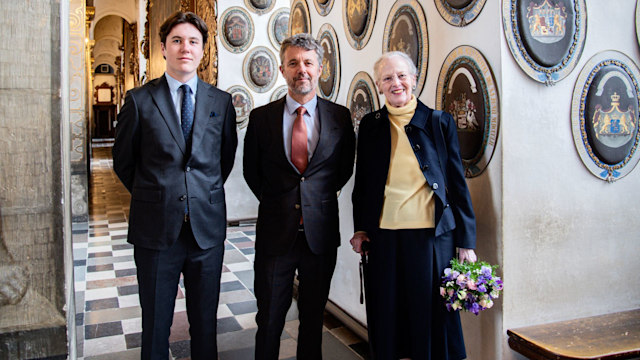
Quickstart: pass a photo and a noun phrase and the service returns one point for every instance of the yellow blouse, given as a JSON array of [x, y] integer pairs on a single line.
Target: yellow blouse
[[408, 200]]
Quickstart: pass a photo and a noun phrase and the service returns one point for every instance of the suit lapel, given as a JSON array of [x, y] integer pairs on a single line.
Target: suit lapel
[[162, 99], [206, 104], [275, 118], [328, 134]]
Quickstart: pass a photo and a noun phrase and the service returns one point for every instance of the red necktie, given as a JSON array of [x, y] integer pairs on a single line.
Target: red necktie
[[299, 156]]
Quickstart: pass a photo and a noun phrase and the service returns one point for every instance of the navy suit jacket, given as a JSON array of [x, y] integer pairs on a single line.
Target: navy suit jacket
[[453, 203], [153, 162], [284, 194]]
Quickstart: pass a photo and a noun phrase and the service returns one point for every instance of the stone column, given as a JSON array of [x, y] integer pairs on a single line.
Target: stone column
[[77, 108], [32, 276]]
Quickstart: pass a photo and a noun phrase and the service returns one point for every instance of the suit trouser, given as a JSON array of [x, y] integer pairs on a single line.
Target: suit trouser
[[406, 315], [274, 291], [158, 277]]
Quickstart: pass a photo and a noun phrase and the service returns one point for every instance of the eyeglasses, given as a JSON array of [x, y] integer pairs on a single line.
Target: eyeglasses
[[390, 78]]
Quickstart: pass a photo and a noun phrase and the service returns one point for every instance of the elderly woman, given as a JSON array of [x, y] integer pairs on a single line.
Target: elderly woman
[[411, 206]]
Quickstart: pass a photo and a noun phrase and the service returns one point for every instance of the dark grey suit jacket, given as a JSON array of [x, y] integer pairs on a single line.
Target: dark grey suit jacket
[[284, 194], [152, 160]]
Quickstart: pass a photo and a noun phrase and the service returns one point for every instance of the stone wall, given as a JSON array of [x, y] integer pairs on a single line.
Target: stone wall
[[32, 319]]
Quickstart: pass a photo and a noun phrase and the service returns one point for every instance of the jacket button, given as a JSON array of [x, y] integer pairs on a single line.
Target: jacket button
[[425, 167], [183, 197], [434, 186], [188, 168], [377, 115], [416, 147], [408, 128], [297, 206], [447, 205], [302, 179]]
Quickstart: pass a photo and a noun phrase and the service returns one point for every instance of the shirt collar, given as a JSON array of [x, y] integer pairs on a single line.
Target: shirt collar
[[174, 84], [310, 106]]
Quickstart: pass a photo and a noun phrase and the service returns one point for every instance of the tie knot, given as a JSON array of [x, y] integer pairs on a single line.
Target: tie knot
[[185, 89], [301, 110]]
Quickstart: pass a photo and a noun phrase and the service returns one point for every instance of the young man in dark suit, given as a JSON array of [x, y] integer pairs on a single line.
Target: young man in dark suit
[[174, 149], [298, 153]]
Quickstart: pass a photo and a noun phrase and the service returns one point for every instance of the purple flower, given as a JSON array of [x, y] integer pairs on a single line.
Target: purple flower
[[482, 288], [486, 271], [475, 308]]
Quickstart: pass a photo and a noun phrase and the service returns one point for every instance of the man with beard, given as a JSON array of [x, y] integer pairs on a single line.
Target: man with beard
[[298, 153]]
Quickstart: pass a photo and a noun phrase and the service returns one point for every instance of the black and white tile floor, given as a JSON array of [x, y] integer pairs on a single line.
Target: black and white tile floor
[[107, 306]]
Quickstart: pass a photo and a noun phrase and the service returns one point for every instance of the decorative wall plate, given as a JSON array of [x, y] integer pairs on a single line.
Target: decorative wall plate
[[329, 81], [638, 21], [358, 17], [278, 27], [299, 20], [467, 90], [260, 69], [604, 115], [260, 6], [406, 31], [323, 6], [236, 29], [279, 93], [242, 102], [459, 12], [362, 98], [546, 37]]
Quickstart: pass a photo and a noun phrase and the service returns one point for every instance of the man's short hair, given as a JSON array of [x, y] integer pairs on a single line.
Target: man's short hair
[[302, 40], [180, 17]]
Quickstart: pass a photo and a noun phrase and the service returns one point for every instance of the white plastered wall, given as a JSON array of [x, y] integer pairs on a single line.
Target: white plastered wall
[[241, 203], [566, 242]]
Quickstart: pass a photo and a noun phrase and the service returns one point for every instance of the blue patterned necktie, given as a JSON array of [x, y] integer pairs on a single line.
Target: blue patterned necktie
[[186, 112], [186, 122]]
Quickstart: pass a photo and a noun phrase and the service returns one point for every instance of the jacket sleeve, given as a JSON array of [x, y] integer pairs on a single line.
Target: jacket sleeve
[[251, 160], [458, 192], [359, 186], [125, 148], [348, 150], [229, 141]]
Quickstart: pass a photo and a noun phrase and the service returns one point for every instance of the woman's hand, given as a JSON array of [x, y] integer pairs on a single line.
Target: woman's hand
[[357, 240], [467, 254]]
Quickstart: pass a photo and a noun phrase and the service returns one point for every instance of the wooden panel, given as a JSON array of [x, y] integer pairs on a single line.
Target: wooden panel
[[611, 336]]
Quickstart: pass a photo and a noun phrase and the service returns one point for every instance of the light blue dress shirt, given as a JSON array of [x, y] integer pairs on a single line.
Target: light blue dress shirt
[[176, 93], [311, 118]]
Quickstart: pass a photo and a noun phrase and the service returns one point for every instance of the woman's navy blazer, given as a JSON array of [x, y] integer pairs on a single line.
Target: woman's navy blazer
[[454, 212]]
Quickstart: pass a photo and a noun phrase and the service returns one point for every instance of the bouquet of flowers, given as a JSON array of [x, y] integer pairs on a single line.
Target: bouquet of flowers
[[470, 286]]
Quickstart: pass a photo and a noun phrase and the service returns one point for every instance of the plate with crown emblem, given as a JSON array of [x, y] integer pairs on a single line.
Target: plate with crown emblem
[[242, 102], [299, 18], [604, 115], [459, 12], [467, 90], [358, 18], [361, 98], [546, 37], [406, 31], [236, 29], [260, 69], [329, 81], [323, 6]]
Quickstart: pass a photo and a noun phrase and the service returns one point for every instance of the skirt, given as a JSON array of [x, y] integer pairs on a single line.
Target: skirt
[[406, 315]]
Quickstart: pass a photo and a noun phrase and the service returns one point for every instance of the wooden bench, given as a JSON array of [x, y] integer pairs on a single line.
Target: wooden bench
[[611, 336]]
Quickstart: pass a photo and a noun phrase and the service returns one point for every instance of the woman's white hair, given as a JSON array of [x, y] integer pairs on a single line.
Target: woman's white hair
[[388, 55]]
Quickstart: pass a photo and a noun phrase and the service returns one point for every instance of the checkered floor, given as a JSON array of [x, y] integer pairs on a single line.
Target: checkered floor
[[107, 305]]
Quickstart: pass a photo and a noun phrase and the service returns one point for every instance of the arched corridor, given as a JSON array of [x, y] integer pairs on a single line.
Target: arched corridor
[[107, 306]]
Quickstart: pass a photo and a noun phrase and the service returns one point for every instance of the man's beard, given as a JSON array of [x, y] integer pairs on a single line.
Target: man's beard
[[302, 89]]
